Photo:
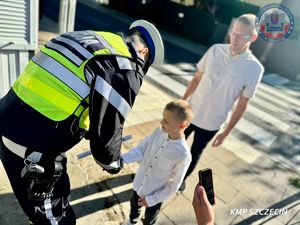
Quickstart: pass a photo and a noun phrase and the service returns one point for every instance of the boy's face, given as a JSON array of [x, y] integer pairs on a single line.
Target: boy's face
[[170, 123]]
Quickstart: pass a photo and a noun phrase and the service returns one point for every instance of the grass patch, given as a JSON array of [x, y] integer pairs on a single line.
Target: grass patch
[[295, 181]]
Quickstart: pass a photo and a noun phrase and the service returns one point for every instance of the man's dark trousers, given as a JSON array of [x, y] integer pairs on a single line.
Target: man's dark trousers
[[201, 139]]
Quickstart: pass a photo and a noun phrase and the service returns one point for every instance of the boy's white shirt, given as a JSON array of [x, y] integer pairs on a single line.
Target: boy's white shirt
[[163, 164]]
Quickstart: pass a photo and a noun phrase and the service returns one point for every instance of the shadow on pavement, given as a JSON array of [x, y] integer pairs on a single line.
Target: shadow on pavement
[[279, 205], [11, 212], [94, 204]]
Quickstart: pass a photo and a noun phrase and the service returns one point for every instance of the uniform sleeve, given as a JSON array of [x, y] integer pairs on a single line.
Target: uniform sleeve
[[105, 133], [106, 121]]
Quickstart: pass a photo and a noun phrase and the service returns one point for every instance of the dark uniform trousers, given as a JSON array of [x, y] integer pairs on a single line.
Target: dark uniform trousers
[[60, 211]]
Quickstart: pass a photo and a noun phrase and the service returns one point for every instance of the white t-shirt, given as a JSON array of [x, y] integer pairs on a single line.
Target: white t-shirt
[[224, 78], [163, 164]]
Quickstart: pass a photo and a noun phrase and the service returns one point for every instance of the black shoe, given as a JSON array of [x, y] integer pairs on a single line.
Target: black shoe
[[182, 187]]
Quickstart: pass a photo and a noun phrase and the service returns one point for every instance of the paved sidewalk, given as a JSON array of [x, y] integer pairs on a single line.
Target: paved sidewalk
[[241, 186]]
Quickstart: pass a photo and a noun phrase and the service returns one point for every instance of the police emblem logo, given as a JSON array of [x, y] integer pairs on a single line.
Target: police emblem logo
[[274, 23], [275, 18]]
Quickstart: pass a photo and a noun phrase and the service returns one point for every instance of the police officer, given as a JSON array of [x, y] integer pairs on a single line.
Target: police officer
[[80, 84]]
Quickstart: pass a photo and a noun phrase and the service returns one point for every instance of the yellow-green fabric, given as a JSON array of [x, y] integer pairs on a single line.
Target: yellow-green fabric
[[44, 92], [114, 41]]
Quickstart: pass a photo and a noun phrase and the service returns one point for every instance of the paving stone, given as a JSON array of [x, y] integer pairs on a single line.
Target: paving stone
[[157, 114], [268, 221], [267, 200], [148, 127], [10, 211], [224, 190], [222, 170], [136, 135], [202, 164], [180, 211], [243, 184], [224, 156], [239, 221], [4, 185], [191, 182], [241, 150], [222, 214], [207, 158], [278, 176], [238, 209], [163, 220], [292, 214]]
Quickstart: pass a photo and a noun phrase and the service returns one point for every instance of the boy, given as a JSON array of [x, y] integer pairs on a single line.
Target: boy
[[164, 157]]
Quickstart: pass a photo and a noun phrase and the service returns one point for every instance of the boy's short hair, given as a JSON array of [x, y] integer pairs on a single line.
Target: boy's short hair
[[182, 110]]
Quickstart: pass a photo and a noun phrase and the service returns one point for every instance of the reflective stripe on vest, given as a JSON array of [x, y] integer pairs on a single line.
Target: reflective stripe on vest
[[70, 55], [43, 92], [104, 42], [63, 74], [76, 46], [112, 96], [123, 62], [55, 82], [89, 77], [113, 44]]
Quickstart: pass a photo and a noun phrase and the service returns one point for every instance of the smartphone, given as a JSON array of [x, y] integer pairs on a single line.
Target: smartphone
[[206, 180]]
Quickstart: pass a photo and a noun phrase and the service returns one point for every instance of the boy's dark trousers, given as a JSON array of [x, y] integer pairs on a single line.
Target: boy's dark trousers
[[150, 212]]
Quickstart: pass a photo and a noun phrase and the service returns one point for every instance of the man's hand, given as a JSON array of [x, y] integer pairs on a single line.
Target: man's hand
[[235, 117], [203, 210], [219, 139], [142, 202]]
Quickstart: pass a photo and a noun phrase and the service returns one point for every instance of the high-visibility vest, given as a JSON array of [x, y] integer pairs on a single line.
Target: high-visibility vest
[[55, 82]]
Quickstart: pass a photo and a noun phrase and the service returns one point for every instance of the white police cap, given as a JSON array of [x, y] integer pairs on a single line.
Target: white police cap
[[153, 39]]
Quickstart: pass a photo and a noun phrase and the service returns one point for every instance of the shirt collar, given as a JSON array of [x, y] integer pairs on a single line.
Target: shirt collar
[[242, 55]]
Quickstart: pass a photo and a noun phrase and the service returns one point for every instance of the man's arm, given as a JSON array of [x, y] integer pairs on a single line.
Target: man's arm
[[235, 117], [192, 85]]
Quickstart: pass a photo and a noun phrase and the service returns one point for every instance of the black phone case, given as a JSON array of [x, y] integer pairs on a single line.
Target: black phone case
[[206, 180]]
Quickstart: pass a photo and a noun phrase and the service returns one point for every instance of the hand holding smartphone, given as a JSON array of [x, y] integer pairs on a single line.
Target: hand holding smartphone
[[206, 180]]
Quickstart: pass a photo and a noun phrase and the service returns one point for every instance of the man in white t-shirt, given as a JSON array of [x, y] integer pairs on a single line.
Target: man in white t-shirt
[[227, 73]]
